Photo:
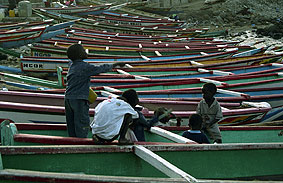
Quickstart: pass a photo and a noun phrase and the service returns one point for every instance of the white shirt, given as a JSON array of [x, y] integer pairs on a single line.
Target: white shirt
[[109, 116]]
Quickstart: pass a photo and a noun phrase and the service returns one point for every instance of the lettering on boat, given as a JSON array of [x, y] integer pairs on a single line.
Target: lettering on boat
[[40, 54], [33, 65]]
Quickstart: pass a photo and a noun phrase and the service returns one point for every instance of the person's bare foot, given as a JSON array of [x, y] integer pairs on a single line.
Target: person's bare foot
[[96, 140]]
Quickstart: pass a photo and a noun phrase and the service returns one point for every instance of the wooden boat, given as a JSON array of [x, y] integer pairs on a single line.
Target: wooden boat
[[58, 100], [20, 134], [40, 63], [116, 14], [203, 40], [33, 80], [79, 10], [92, 24], [124, 51], [139, 22], [15, 38], [22, 85], [102, 44], [154, 39], [101, 39], [182, 73], [67, 160], [271, 95], [224, 82], [49, 65], [9, 26], [26, 112], [20, 34], [146, 160]]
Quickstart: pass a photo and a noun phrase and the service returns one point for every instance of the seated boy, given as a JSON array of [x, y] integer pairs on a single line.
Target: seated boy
[[160, 118], [195, 123], [112, 118]]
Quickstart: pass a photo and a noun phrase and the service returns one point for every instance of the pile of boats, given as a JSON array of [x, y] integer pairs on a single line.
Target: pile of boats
[[167, 64]]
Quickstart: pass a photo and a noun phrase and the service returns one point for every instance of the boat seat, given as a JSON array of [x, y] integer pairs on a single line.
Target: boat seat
[[55, 140]]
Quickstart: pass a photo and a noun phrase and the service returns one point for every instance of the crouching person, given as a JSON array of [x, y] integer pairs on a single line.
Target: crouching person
[[112, 119]]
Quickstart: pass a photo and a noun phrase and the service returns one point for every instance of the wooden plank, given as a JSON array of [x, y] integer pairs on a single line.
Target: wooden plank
[[172, 136], [161, 164], [238, 94], [29, 176]]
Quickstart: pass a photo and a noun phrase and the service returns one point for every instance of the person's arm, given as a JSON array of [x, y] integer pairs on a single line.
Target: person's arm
[[95, 70], [213, 122], [218, 116], [146, 123]]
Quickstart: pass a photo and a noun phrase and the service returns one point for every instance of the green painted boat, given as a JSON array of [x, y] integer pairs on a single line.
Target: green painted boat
[[148, 160], [22, 134], [226, 161]]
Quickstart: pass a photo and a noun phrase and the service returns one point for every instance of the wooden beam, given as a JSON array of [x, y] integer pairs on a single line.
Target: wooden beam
[[171, 136], [39, 176], [161, 164]]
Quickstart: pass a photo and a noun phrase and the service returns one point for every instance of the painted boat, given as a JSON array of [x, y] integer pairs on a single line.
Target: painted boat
[[116, 14], [21, 85], [119, 51], [58, 100], [9, 26], [271, 95], [224, 82], [34, 113], [40, 62], [190, 72], [78, 34], [33, 80], [22, 134], [92, 24], [155, 39], [120, 14], [15, 38], [250, 70], [20, 34], [82, 163], [101, 45], [115, 39], [79, 10], [139, 22]]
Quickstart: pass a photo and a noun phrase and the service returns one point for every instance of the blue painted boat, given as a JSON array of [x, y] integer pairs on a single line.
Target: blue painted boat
[[26, 36]]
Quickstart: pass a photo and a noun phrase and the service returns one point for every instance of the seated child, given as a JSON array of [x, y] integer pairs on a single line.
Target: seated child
[[113, 117], [195, 123], [160, 118]]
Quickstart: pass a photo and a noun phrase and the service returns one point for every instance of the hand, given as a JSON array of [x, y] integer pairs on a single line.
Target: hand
[[121, 64]]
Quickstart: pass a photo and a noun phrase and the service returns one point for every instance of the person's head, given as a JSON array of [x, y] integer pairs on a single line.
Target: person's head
[[195, 122], [76, 51], [131, 96], [208, 90]]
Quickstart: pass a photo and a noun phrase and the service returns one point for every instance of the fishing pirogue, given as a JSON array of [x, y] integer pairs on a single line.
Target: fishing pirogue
[[167, 63]]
